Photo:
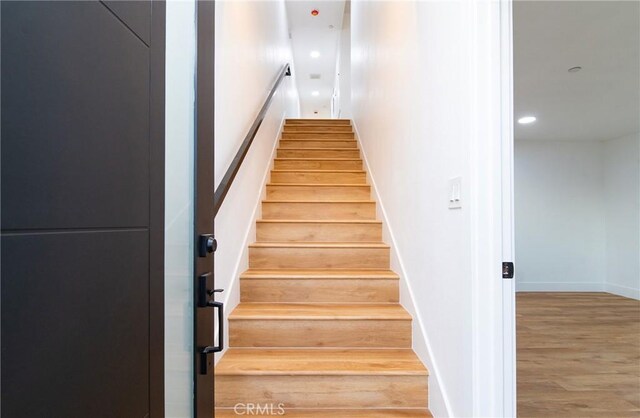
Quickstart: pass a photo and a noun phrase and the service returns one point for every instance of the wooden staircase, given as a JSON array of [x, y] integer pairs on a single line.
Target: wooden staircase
[[319, 328]]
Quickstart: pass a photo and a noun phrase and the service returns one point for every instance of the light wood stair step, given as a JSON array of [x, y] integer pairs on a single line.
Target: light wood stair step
[[319, 255], [318, 135], [318, 153], [329, 274], [315, 210], [339, 413], [317, 122], [319, 286], [380, 325], [319, 192], [325, 378], [318, 143], [281, 230], [319, 176], [317, 128], [327, 361], [320, 311], [318, 164]]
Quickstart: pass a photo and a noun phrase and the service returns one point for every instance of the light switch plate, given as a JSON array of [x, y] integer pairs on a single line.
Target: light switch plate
[[455, 193]]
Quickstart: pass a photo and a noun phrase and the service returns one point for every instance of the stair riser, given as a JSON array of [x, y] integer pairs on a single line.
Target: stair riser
[[317, 129], [319, 210], [317, 143], [292, 258], [316, 153], [320, 193], [323, 122], [318, 232], [319, 178], [370, 333], [318, 165], [315, 135], [319, 290], [379, 391]]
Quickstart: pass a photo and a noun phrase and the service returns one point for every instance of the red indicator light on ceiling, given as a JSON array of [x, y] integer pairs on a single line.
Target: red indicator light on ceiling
[[315, 12]]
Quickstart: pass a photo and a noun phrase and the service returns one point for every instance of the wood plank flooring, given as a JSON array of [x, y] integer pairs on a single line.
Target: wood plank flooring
[[578, 355]]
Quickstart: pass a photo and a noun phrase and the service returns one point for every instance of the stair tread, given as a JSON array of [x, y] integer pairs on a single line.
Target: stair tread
[[318, 274], [302, 170], [321, 221], [266, 244], [316, 159], [320, 129], [320, 184], [324, 361], [318, 139], [318, 149], [341, 413], [313, 311], [317, 120], [316, 201]]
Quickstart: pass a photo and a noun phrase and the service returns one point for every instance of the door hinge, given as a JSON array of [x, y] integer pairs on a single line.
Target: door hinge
[[507, 270]]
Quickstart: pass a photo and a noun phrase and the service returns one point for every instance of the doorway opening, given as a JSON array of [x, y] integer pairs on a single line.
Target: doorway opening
[[577, 210]]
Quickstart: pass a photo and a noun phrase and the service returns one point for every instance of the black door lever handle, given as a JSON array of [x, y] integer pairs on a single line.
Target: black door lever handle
[[213, 348]]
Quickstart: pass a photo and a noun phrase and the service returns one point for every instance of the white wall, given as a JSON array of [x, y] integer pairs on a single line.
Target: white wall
[[422, 74], [342, 92], [252, 45], [179, 142], [577, 207], [622, 214], [560, 223]]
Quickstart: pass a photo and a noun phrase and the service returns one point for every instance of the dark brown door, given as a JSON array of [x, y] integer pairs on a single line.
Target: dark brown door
[[82, 181], [206, 309]]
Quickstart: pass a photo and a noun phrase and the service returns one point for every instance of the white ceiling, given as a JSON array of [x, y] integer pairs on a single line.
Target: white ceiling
[[309, 33], [600, 102]]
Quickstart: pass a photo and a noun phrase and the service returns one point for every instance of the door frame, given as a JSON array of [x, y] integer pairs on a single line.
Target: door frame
[[156, 208], [507, 194], [203, 315], [493, 343]]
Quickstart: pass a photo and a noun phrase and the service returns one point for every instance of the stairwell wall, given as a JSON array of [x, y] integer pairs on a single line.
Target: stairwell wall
[[418, 74], [252, 45]]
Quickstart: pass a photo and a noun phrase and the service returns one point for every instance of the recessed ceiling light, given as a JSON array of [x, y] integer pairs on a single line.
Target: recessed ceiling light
[[574, 69], [526, 119], [315, 93], [314, 54]]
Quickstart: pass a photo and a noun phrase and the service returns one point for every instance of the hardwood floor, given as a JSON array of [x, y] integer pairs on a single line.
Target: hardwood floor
[[578, 355]]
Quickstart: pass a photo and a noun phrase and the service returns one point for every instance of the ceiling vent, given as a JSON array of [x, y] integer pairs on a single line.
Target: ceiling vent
[[314, 76]]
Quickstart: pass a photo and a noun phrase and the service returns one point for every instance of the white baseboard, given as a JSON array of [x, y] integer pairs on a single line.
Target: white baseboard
[[627, 292], [558, 287], [439, 404]]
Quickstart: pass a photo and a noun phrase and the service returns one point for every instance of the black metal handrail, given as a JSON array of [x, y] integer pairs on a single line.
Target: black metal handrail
[[230, 174]]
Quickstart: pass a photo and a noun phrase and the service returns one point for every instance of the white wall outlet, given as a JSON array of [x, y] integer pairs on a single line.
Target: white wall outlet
[[455, 193]]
